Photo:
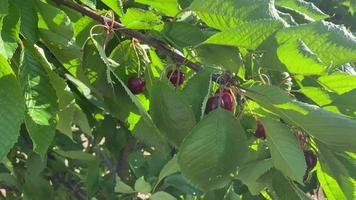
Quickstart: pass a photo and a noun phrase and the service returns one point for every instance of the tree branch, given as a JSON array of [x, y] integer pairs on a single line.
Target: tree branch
[[159, 45]]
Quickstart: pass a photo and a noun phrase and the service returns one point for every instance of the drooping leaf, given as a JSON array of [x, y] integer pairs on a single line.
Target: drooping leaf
[[205, 155], [196, 90], [308, 9], [226, 14], [171, 114], [285, 189], [12, 108], [41, 102], [66, 101], [250, 173], [335, 176], [29, 20], [335, 130], [285, 150], [67, 52], [9, 29], [248, 35], [54, 19]]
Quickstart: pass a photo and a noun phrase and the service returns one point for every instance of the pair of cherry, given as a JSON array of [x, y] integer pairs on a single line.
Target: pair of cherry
[[137, 84], [309, 155]]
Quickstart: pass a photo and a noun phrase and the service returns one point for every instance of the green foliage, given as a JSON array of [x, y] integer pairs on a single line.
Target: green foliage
[[71, 128], [211, 143]]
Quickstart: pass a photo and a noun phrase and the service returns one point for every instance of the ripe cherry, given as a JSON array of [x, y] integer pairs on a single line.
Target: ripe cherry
[[176, 77], [228, 101], [260, 131], [225, 100], [310, 159], [136, 84], [212, 104]]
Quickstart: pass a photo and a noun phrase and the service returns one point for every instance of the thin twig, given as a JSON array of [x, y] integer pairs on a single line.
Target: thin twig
[[159, 45]]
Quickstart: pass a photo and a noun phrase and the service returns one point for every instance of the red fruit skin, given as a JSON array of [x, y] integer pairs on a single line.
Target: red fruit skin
[[136, 85], [176, 77], [228, 101], [260, 131], [225, 101], [310, 159], [212, 104]]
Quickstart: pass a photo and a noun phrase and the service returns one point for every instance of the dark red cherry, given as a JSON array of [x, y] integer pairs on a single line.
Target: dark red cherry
[[212, 104], [136, 85], [310, 159], [176, 77], [226, 101], [260, 131]]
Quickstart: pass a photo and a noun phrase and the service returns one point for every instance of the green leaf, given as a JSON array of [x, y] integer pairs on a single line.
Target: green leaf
[[171, 113], [41, 101], [162, 196], [66, 101], [225, 14], [36, 187], [10, 29], [213, 150], [285, 150], [285, 189], [170, 168], [196, 90], [250, 173], [343, 104], [248, 35], [78, 155], [183, 34], [122, 187], [115, 5], [167, 7], [308, 9], [333, 129], [29, 20], [339, 82], [4, 7], [299, 59], [66, 52], [224, 57], [142, 186], [90, 3], [81, 120], [12, 108], [54, 19], [339, 181], [333, 44], [135, 18], [149, 134]]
